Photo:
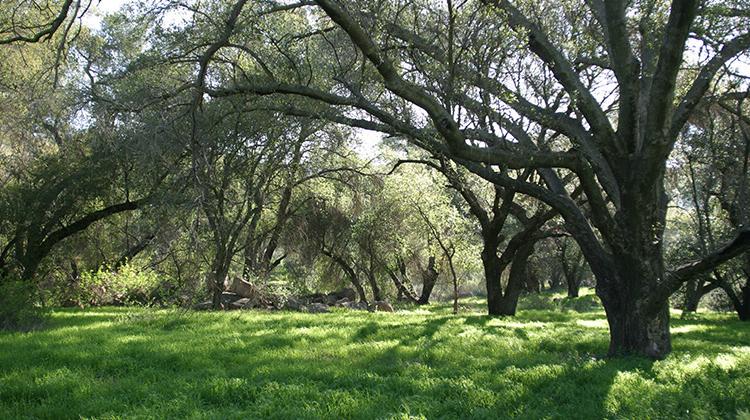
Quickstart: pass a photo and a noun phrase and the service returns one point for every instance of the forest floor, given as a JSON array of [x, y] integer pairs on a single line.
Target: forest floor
[[544, 363]]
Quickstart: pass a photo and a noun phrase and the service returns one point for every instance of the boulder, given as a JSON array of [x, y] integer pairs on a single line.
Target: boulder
[[203, 306], [382, 306], [345, 293], [293, 304], [316, 298], [316, 308], [244, 303], [355, 306], [331, 299], [243, 288], [227, 298]]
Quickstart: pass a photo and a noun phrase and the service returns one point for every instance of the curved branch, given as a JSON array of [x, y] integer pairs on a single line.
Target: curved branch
[[46, 33], [685, 272]]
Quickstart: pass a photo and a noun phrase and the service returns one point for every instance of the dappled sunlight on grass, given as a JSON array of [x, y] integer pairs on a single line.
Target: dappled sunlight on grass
[[169, 363], [592, 323], [688, 328]]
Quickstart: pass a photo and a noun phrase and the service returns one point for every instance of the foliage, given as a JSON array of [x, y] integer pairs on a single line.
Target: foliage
[[128, 285], [19, 308], [586, 302]]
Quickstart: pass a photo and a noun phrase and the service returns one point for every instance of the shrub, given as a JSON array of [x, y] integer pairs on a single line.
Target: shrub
[[537, 301], [581, 304], [18, 309], [548, 302], [126, 286]]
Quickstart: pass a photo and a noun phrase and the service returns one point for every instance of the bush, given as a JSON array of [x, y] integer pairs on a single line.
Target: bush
[[126, 286], [18, 309], [584, 303], [537, 301], [548, 302]]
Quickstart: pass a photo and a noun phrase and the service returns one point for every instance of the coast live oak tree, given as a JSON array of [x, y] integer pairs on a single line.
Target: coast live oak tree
[[715, 160], [502, 246], [476, 82]]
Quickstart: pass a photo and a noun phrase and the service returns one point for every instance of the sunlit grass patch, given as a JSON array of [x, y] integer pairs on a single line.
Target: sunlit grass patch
[[129, 362]]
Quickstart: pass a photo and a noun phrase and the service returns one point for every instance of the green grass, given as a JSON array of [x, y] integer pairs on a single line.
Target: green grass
[[139, 363]]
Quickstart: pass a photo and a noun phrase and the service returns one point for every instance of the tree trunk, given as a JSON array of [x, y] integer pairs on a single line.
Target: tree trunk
[[282, 214], [692, 295], [403, 293], [572, 273], [358, 286], [499, 302], [634, 331], [744, 311], [743, 306], [519, 273], [638, 325], [493, 270], [574, 286], [31, 264], [376, 294], [350, 273], [555, 282], [216, 279], [429, 278], [532, 283]]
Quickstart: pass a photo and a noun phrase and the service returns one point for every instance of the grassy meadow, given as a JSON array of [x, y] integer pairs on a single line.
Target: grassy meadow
[[546, 363]]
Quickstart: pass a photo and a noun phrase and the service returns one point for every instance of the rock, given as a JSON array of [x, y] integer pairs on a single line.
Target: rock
[[244, 303], [227, 298], [342, 302], [331, 300], [355, 306], [316, 308], [243, 288], [316, 298], [345, 293], [382, 306], [293, 304], [203, 306]]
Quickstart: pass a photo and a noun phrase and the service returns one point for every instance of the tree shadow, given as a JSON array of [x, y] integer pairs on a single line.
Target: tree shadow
[[354, 366]]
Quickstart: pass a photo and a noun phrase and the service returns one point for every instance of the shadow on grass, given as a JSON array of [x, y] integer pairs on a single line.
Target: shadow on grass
[[131, 363]]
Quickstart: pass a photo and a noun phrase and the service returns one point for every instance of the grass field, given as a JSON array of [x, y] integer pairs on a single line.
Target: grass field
[[141, 363]]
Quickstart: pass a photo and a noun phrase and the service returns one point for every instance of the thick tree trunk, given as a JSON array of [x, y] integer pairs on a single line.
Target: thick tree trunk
[[499, 302], [493, 270], [638, 324], [635, 332], [429, 278], [743, 306], [573, 288], [216, 279], [30, 266], [692, 295]]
